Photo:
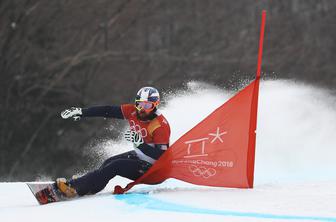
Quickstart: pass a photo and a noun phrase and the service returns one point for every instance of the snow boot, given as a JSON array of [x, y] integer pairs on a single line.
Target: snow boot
[[65, 188]]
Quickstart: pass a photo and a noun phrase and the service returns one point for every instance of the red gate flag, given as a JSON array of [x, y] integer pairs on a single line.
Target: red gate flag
[[220, 150], [215, 152]]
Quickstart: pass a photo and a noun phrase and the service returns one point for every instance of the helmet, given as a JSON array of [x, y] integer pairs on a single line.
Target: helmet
[[147, 98]]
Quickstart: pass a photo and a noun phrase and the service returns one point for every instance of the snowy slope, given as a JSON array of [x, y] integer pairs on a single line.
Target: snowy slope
[[295, 175], [175, 201]]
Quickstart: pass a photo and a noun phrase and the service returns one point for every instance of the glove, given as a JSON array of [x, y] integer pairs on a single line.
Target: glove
[[74, 112], [134, 137]]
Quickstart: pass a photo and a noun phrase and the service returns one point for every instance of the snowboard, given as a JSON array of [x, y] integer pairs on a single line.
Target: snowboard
[[46, 192]]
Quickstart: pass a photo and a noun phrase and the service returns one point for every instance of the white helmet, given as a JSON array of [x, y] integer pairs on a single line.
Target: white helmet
[[147, 98]]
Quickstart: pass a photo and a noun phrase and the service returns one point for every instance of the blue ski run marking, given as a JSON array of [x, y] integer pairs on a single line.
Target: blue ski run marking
[[146, 201]]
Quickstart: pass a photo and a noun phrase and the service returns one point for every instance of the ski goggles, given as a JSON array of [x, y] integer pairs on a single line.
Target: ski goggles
[[145, 105]]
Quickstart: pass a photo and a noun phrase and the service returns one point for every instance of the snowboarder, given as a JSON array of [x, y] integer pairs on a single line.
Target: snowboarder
[[149, 132]]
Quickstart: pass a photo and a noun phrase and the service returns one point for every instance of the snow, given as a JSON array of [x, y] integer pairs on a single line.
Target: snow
[[295, 177]]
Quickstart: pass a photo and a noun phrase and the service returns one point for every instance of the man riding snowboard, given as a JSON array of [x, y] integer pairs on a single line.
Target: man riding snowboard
[[149, 132]]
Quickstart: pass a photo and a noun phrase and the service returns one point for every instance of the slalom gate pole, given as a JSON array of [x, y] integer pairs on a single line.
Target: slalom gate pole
[[254, 108]]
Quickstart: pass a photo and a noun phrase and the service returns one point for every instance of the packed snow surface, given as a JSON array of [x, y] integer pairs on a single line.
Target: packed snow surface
[[295, 174]]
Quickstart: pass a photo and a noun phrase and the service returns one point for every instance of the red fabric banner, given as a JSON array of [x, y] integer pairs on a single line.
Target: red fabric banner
[[219, 151]]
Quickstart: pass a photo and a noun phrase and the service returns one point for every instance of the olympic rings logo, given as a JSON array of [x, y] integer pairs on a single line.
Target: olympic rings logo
[[202, 171], [137, 128]]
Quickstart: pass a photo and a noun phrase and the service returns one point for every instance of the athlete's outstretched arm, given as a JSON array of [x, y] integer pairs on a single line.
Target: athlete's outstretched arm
[[97, 111]]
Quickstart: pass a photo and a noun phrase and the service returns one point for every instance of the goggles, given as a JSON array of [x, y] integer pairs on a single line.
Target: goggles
[[145, 105]]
